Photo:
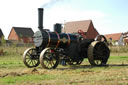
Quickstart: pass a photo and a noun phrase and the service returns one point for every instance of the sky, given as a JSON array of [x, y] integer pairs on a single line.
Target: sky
[[108, 16]]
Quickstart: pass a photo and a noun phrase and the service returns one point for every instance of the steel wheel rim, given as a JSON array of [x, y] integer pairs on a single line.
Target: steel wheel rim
[[30, 58], [101, 38], [48, 60], [98, 53]]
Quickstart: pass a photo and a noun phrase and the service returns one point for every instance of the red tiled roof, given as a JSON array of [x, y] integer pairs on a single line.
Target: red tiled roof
[[72, 27], [115, 36]]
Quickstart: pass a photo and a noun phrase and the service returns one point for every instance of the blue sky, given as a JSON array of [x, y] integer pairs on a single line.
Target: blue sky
[[115, 11], [108, 16]]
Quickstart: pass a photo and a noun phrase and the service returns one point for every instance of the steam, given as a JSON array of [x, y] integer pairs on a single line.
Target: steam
[[51, 3]]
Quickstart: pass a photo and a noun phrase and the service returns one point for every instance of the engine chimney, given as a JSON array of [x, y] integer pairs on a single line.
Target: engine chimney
[[40, 19]]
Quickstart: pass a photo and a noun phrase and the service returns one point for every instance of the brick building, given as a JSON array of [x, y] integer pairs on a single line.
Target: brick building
[[86, 26], [21, 34]]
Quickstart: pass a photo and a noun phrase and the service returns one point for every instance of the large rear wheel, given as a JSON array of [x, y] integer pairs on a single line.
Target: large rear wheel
[[49, 58], [98, 53]]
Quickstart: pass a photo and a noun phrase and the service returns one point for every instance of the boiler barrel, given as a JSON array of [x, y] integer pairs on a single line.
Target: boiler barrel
[[54, 39], [61, 40]]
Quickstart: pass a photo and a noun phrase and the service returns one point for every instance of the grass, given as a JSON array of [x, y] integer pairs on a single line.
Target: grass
[[14, 72], [29, 78], [119, 49]]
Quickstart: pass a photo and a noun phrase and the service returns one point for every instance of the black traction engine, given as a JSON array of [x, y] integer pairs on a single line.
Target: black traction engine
[[53, 48]]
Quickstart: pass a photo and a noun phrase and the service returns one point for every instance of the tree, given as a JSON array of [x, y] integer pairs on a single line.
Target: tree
[[3, 41]]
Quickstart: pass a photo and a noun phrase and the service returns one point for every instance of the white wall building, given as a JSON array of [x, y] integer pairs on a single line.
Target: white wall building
[[116, 38]]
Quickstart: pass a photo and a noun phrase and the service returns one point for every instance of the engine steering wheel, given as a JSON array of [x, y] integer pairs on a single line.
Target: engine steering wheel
[[81, 32]]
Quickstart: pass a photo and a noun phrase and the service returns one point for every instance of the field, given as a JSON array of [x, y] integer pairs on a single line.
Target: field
[[14, 72]]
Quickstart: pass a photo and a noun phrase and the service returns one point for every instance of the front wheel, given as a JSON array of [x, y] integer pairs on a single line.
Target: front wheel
[[49, 58], [30, 58]]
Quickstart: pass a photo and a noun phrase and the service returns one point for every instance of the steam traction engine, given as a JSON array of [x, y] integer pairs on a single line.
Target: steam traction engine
[[53, 48]]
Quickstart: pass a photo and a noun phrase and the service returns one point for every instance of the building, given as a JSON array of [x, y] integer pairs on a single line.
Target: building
[[115, 39], [1, 37], [21, 34], [126, 41], [1, 34], [125, 36], [86, 26]]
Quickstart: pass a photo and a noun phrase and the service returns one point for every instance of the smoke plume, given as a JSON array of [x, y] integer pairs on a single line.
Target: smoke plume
[[51, 3]]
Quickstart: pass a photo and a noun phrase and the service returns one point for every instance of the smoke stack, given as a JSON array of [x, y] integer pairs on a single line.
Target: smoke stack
[[40, 18]]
